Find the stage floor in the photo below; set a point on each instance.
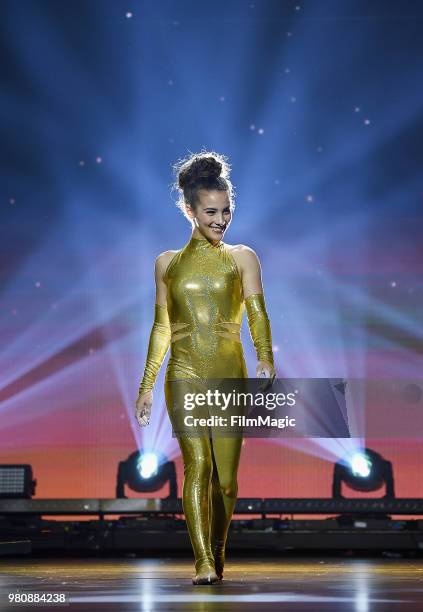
(317, 584)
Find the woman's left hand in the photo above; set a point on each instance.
(266, 370)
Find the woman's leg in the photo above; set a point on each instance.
(225, 454)
(198, 466)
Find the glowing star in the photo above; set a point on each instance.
(129, 15)
(319, 149)
(252, 127)
(367, 122)
(289, 34)
(170, 82)
(260, 131)
(222, 98)
(287, 70)
(275, 348)
(38, 284)
(393, 284)
(98, 160)
(310, 198)
(82, 163)
(277, 181)
(357, 109)
(297, 8)
(12, 201)
(293, 99)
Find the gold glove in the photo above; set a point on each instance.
(157, 347)
(259, 325)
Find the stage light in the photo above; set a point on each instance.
(146, 471)
(363, 471)
(361, 465)
(148, 464)
(16, 481)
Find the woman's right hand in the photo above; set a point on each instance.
(143, 408)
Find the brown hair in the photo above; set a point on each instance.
(205, 170)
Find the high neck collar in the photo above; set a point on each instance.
(204, 242)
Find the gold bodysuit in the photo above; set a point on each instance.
(202, 323)
(205, 305)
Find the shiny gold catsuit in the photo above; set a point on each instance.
(201, 323)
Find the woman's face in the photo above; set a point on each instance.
(212, 214)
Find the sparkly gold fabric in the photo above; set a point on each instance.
(205, 305)
(259, 325)
(157, 347)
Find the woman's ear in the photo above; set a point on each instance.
(189, 211)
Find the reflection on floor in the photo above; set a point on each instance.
(359, 585)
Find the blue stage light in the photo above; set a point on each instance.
(145, 471)
(361, 465)
(148, 464)
(363, 471)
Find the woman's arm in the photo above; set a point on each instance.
(258, 321)
(158, 344)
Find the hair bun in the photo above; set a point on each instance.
(201, 169)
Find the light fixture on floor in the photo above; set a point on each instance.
(146, 471)
(16, 481)
(365, 471)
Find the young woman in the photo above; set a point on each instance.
(202, 291)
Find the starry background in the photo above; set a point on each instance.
(318, 106)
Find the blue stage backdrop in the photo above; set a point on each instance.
(318, 106)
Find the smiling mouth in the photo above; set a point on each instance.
(217, 229)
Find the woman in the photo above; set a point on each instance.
(202, 291)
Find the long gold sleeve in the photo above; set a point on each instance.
(157, 347)
(259, 325)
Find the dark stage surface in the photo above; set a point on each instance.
(359, 585)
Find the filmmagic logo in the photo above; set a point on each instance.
(222, 400)
(240, 421)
